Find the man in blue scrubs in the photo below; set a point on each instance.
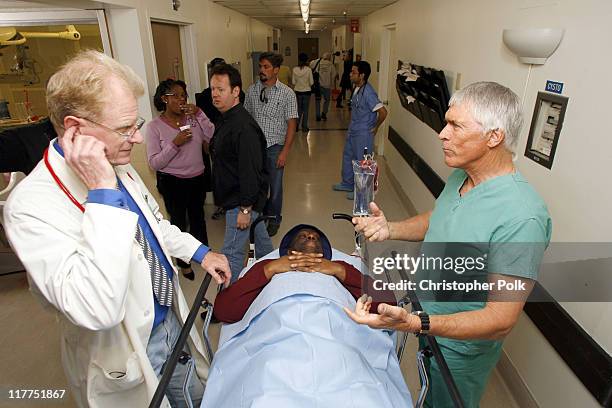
(486, 201)
(368, 113)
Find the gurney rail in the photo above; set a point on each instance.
(434, 348)
(160, 392)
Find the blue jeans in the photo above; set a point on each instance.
(326, 94)
(303, 102)
(161, 343)
(235, 241)
(274, 205)
(353, 150)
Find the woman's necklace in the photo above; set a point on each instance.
(172, 122)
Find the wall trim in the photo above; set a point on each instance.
(428, 176)
(582, 354)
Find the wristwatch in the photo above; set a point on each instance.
(424, 331)
(245, 211)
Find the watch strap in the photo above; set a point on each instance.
(425, 322)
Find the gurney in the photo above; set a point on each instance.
(296, 347)
(393, 381)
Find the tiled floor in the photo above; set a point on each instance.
(30, 339)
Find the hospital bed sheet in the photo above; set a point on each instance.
(296, 347)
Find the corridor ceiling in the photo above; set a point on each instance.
(324, 14)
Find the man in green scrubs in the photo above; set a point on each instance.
(485, 201)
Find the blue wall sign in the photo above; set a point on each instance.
(555, 87)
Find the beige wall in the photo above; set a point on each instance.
(466, 37)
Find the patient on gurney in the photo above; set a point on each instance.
(306, 249)
(292, 345)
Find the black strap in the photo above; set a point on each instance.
(317, 64)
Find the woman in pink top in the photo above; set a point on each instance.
(175, 141)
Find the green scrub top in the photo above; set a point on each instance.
(504, 209)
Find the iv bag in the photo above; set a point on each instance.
(366, 184)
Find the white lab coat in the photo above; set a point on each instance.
(91, 270)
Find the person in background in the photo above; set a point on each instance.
(22, 147)
(368, 114)
(302, 84)
(241, 178)
(284, 75)
(327, 73)
(204, 102)
(175, 142)
(345, 80)
(274, 107)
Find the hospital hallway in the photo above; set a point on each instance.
(31, 349)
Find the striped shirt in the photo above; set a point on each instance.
(272, 108)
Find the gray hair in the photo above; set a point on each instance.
(494, 107)
(78, 88)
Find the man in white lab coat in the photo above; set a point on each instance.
(97, 249)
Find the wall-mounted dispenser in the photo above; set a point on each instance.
(533, 45)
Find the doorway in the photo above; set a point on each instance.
(309, 46)
(386, 83)
(168, 56)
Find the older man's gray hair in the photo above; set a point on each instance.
(494, 107)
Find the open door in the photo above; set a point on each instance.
(386, 83)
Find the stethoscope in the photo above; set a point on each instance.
(59, 183)
(65, 190)
(357, 103)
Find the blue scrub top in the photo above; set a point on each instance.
(363, 119)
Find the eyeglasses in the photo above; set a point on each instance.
(125, 135)
(183, 96)
(262, 95)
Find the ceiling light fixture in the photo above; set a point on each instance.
(305, 9)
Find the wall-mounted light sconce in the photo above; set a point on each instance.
(533, 45)
(176, 4)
